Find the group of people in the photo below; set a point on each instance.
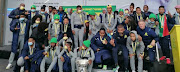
(55, 40)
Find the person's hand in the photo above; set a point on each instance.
(26, 13)
(111, 31)
(153, 42)
(26, 71)
(73, 32)
(140, 55)
(130, 55)
(44, 53)
(43, 46)
(50, 19)
(90, 62)
(157, 23)
(170, 14)
(90, 32)
(57, 44)
(139, 38)
(112, 42)
(80, 48)
(26, 58)
(16, 28)
(17, 16)
(98, 50)
(62, 59)
(49, 37)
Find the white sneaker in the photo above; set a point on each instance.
(22, 69)
(9, 66)
(145, 71)
(133, 71)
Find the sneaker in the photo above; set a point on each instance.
(126, 70)
(145, 71)
(9, 66)
(168, 61)
(133, 71)
(22, 69)
(104, 67)
(162, 58)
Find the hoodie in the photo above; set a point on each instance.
(139, 44)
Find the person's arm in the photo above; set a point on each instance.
(61, 53)
(13, 26)
(93, 45)
(92, 57)
(115, 22)
(72, 21)
(12, 14)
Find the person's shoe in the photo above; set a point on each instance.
(168, 61)
(22, 69)
(133, 71)
(162, 58)
(104, 67)
(9, 66)
(126, 70)
(145, 71)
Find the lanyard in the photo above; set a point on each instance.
(121, 18)
(22, 27)
(31, 51)
(134, 47)
(138, 17)
(162, 20)
(32, 14)
(93, 22)
(109, 18)
(84, 53)
(53, 53)
(101, 38)
(56, 27)
(178, 19)
(65, 27)
(81, 18)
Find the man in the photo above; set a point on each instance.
(94, 23)
(165, 25)
(86, 52)
(138, 15)
(102, 14)
(177, 15)
(20, 29)
(69, 13)
(15, 14)
(149, 38)
(110, 20)
(146, 12)
(29, 56)
(119, 39)
(77, 25)
(62, 14)
(120, 16)
(32, 12)
(54, 28)
(44, 14)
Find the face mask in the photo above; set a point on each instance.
(30, 43)
(42, 12)
(152, 22)
(37, 22)
(33, 10)
(79, 11)
(21, 19)
(21, 8)
(56, 21)
(83, 47)
(65, 38)
(65, 47)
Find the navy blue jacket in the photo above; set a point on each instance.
(121, 39)
(147, 35)
(15, 24)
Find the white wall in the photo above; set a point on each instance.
(119, 4)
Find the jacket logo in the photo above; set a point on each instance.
(125, 36)
(146, 34)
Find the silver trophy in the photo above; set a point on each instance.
(82, 65)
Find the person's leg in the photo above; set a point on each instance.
(42, 66)
(90, 67)
(166, 48)
(73, 62)
(76, 37)
(81, 34)
(125, 56)
(161, 42)
(53, 63)
(11, 58)
(60, 64)
(21, 44)
(132, 63)
(115, 54)
(140, 61)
